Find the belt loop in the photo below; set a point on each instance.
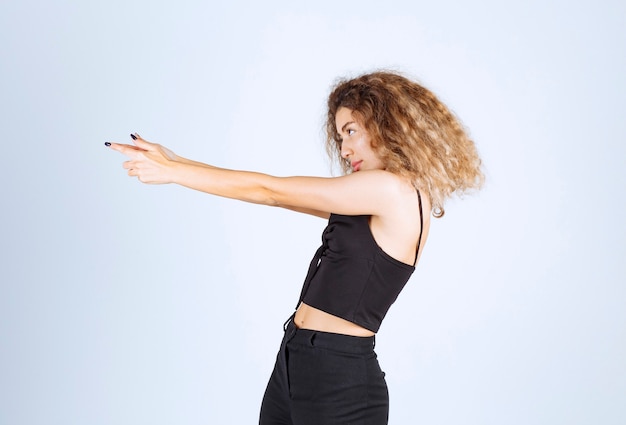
(312, 339)
(287, 321)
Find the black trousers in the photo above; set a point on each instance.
(323, 378)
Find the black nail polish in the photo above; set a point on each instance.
(107, 143)
(133, 136)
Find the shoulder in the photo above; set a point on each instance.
(405, 205)
(382, 181)
(388, 187)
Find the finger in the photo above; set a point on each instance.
(128, 165)
(135, 172)
(128, 150)
(143, 144)
(137, 148)
(140, 176)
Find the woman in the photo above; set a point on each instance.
(403, 153)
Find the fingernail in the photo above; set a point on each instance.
(133, 136)
(107, 143)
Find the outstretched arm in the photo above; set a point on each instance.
(359, 193)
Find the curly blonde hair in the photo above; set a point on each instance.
(415, 134)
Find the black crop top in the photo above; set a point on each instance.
(351, 277)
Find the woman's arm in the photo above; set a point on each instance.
(322, 214)
(365, 192)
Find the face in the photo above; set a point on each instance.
(356, 146)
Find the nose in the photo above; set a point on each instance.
(345, 150)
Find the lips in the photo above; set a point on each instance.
(356, 165)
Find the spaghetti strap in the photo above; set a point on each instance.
(419, 241)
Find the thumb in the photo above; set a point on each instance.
(140, 142)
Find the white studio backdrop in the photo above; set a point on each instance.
(122, 303)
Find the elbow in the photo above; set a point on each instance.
(271, 199)
(261, 195)
(270, 194)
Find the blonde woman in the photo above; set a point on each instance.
(403, 153)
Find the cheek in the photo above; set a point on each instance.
(364, 143)
(376, 153)
(369, 147)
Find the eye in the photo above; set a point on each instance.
(350, 131)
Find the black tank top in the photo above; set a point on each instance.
(351, 277)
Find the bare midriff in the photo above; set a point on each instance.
(308, 317)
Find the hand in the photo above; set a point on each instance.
(149, 162)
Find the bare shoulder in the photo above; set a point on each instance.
(400, 193)
(398, 229)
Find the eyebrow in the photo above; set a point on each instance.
(345, 125)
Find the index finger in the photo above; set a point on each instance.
(128, 150)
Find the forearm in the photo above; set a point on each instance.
(254, 190)
(241, 185)
(192, 162)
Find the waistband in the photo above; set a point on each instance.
(329, 340)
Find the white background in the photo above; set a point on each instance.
(122, 303)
